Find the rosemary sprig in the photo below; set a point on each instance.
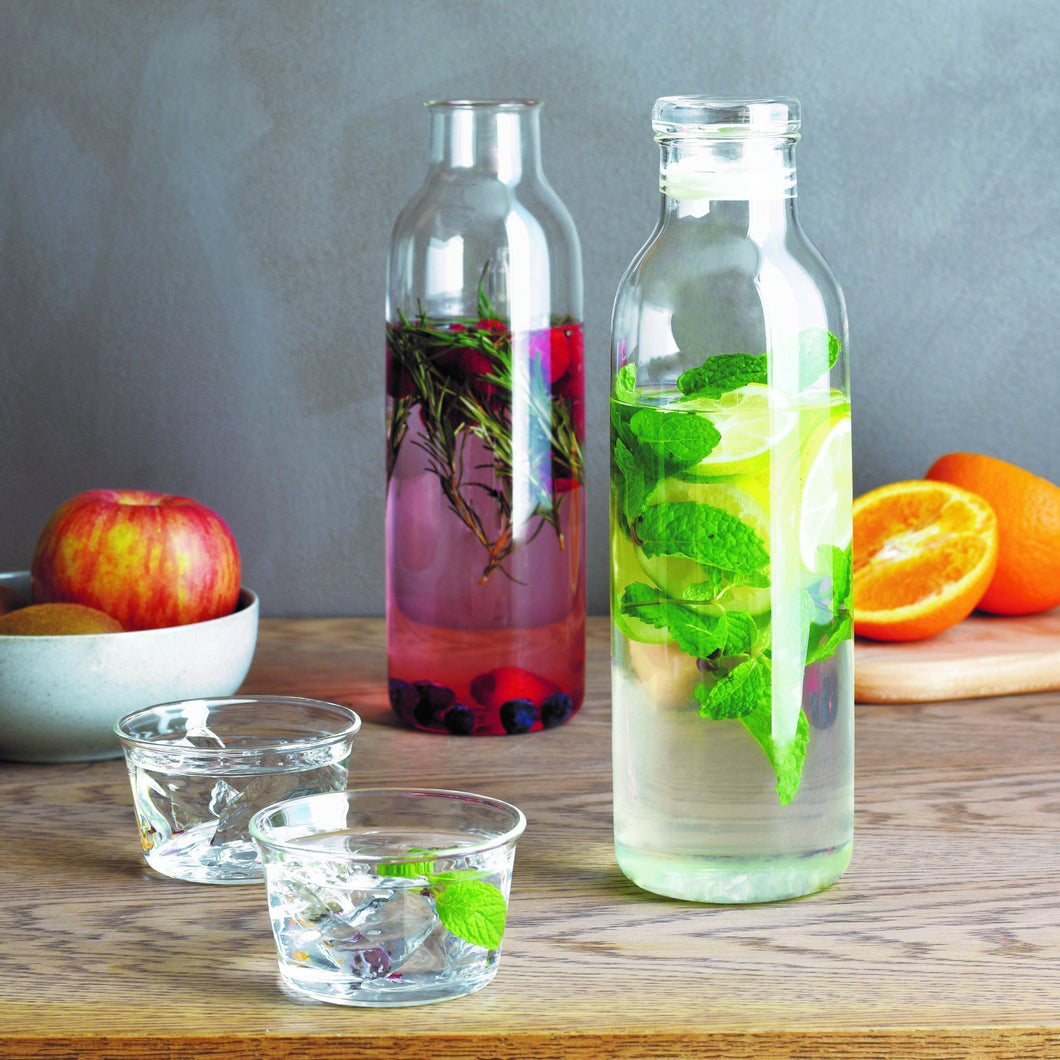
(461, 377)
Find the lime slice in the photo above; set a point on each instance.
(745, 498)
(751, 421)
(824, 509)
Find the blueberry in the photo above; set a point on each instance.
(403, 698)
(518, 715)
(433, 701)
(459, 720)
(556, 709)
(439, 696)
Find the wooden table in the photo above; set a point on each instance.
(942, 939)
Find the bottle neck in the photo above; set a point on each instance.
(495, 139)
(744, 183)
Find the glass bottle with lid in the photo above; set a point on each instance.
(485, 502)
(732, 650)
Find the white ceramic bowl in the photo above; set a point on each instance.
(60, 696)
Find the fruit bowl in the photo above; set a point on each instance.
(60, 696)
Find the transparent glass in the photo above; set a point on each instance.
(485, 502)
(385, 897)
(201, 768)
(732, 652)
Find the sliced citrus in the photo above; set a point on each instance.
(744, 498)
(924, 553)
(751, 420)
(826, 489)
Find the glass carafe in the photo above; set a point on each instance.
(732, 650)
(485, 502)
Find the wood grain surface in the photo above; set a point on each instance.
(985, 655)
(941, 940)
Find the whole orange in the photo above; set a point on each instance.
(1027, 578)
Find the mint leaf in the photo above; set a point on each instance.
(708, 589)
(843, 577)
(825, 637)
(472, 910)
(736, 695)
(678, 441)
(817, 350)
(745, 693)
(626, 383)
(699, 631)
(786, 759)
(705, 534)
(632, 487)
(701, 627)
(648, 444)
(741, 633)
(697, 634)
(647, 603)
(722, 373)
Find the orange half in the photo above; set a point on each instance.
(924, 554)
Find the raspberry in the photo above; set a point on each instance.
(510, 682)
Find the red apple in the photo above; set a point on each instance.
(147, 559)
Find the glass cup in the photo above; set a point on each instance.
(388, 897)
(201, 768)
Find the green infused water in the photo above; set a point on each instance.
(732, 674)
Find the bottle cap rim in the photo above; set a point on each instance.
(722, 119)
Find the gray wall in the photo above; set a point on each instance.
(196, 198)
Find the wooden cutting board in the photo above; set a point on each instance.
(984, 655)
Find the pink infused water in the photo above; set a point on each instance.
(485, 525)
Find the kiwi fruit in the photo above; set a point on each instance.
(52, 620)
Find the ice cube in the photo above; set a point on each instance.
(444, 954)
(315, 894)
(200, 736)
(222, 795)
(170, 803)
(260, 791)
(379, 936)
